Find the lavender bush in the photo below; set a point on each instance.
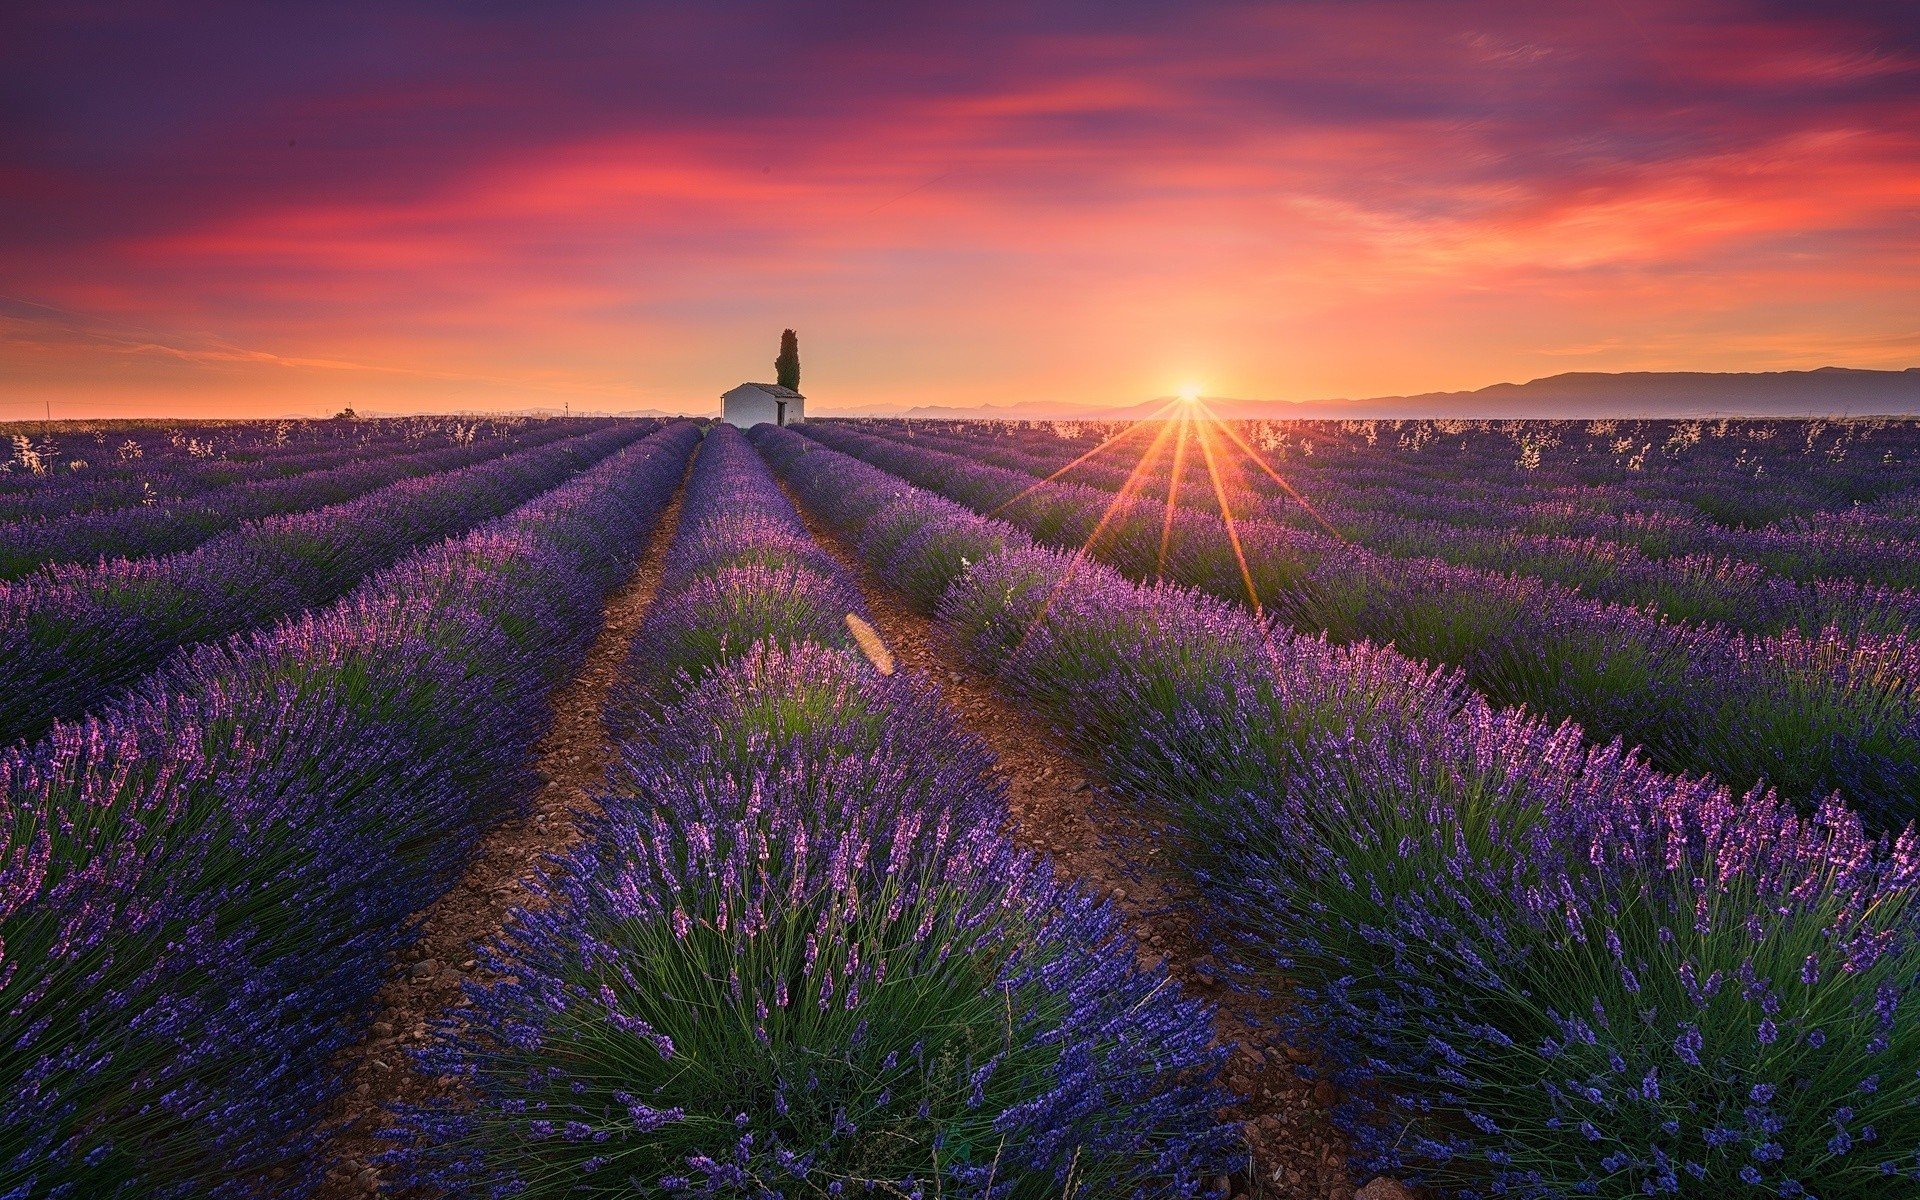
(1544, 971)
(742, 570)
(780, 1001)
(722, 613)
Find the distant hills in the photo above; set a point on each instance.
(1825, 391)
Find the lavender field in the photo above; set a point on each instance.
(1012, 810)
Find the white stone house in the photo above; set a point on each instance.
(753, 404)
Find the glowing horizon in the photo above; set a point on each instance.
(253, 211)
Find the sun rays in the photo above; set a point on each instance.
(1186, 423)
(1173, 493)
(1102, 448)
(1206, 425)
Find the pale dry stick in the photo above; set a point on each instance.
(871, 644)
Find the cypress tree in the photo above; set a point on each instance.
(787, 366)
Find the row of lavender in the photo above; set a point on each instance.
(143, 530)
(1675, 500)
(200, 888)
(1730, 473)
(1871, 498)
(1868, 540)
(796, 957)
(57, 474)
(1535, 968)
(1756, 580)
(68, 461)
(1808, 714)
(71, 635)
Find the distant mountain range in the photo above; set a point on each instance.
(1826, 391)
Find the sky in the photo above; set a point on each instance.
(212, 209)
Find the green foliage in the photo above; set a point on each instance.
(787, 366)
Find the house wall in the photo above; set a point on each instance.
(747, 407)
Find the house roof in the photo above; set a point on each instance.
(775, 390)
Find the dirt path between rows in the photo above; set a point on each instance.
(1059, 807)
(572, 758)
